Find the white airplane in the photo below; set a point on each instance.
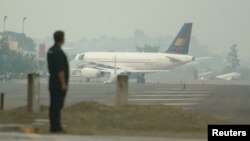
(134, 64)
(229, 76)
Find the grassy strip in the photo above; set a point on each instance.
(92, 118)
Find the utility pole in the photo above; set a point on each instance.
(115, 69)
(4, 21)
(24, 18)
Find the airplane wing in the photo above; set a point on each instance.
(225, 77)
(202, 58)
(229, 78)
(198, 60)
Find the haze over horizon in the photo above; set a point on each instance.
(217, 23)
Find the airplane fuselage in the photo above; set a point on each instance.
(138, 64)
(138, 61)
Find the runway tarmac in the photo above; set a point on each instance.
(226, 100)
(168, 94)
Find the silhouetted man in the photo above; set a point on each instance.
(58, 81)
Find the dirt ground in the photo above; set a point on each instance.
(229, 102)
(89, 118)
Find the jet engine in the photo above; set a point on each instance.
(91, 73)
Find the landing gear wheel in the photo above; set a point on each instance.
(87, 80)
(140, 79)
(143, 80)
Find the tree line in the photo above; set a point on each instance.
(12, 61)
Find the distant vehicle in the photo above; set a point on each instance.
(134, 64)
(229, 76)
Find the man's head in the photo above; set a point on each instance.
(59, 37)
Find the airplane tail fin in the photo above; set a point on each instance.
(180, 44)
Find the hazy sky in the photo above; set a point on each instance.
(217, 23)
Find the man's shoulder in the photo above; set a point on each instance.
(50, 50)
(54, 49)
